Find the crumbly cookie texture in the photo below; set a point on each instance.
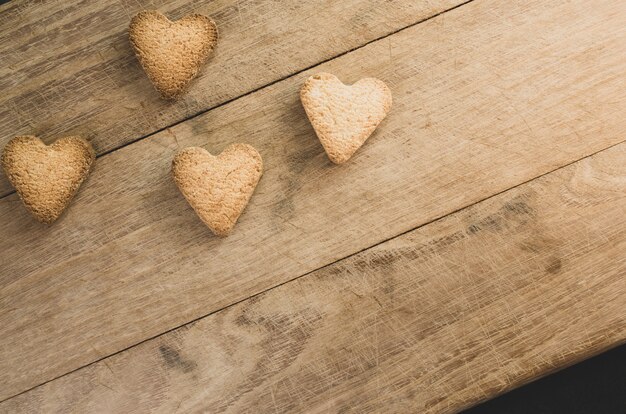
(172, 53)
(344, 116)
(46, 177)
(219, 187)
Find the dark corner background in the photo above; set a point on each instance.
(595, 386)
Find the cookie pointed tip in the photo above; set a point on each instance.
(339, 159)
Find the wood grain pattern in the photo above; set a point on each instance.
(432, 321)
(495, 95)
(67, 67)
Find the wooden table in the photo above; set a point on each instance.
(476, 242)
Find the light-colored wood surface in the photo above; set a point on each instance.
(430, 322)
(495, 95)
(67, 67)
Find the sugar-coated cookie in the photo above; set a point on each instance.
(172, 53)
(46, 177)
(344, 116)
(219, 187)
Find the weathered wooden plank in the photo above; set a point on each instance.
(432, 321)
(494, 95)
(67, 68)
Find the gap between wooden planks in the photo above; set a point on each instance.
(494, 96)
(67, 67)
(433, 321)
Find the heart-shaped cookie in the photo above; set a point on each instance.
(46, 177)
(218, 188)
(172, 53)
(344, 116)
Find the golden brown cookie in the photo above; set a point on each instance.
(46, 177)
(344, 116)
(172, 53)
(218, 187)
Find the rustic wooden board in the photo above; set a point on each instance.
(67, 67)
(432, 321)
(494, 95)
